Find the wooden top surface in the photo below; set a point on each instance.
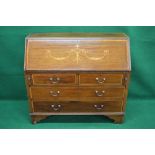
(77, 52)
(77, 35)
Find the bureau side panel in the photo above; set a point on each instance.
(126, 84)
(28, 82)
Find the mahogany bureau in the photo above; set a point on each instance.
(77, 74)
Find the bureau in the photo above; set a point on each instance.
(77, 74)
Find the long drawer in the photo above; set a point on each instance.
(106, 106)
(75, 93)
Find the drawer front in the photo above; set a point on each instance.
(54, 79)
(75, 93)
(107, 106)
(101, 92)
(100, 79)
(53, 93)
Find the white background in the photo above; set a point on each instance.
(76, 142)
(77, 13)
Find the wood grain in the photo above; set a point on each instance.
(75, 93)
(83, 53)
(77, 73)
(45, 79)
(108, 106)
(103, 79)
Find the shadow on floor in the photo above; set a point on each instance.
(76, 119)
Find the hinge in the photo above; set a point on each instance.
(125, 80)
(29, 80)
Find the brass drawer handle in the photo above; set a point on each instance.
(54, 80)
(56, 107)
(98, 107)
(99, 93)
(100, 80)
(55, 93)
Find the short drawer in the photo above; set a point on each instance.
(54, 79)
(75, 93)
(100, 79)
(106, 106)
